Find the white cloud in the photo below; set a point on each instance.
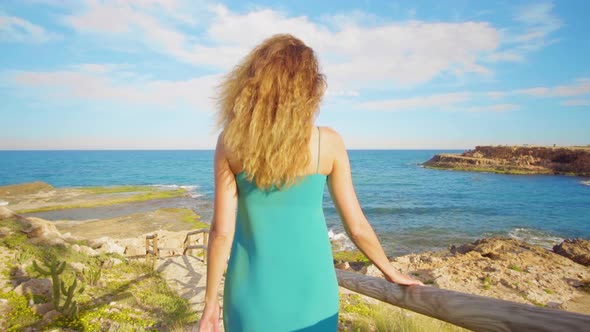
(576, 102)
(436, 101)
(493, 108)
(536, 23)
(341, 93)
(410, 52)
(510, 56)
(539, 19)
(16, 29)
(357, 52)
(536, 92)
(100, 86)
(579, 88)
(353, 54)
(496, 94)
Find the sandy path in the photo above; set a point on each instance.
(187, 276)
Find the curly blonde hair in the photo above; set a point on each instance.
(267, 105)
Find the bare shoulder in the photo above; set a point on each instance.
(219, 146)
(333, 149)
(227, 154)
(220, 139)
(331, 139)
(330, 136)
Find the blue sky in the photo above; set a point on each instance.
(141, 74)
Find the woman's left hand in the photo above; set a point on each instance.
(210, 319)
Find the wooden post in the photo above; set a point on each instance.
(147, 248)
(474, 312)
(156, 252)
(187, 242)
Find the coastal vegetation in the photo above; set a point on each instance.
(351, 256)
(66, 291)
(517, 160)
(145, 195)
(40, 197)
(359, 313)
(187, 216)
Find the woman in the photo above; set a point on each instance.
(271, 165)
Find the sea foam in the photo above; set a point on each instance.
(342, 239)
(191, 189)
(535, 237)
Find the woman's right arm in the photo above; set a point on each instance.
(355, 223)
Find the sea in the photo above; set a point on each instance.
(411, 208)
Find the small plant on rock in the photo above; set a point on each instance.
(23, 256)
(91, 276)
(54, 269)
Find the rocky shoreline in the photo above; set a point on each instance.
(517, 160)
(501, 268)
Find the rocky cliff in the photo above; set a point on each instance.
(518, 160)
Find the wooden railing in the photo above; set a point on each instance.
(188, 246)
(154, 252)
(474, 312)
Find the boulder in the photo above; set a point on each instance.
(110, 247)
(78, 267)
(41, 287)
(342, 266)
(85, 250)
(133, 246)
(6, 213)
(577, 250)
(99, 242)
(42, 231)
(5, 231)
(42, 308)
(106, 245)
(132, 251)
(68, 237)
(17, 272)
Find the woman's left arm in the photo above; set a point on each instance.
(222, 228)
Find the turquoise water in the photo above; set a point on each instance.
(411, 208)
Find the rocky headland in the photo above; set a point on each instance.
(517, 160)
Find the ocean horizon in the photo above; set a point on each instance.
(411, 208)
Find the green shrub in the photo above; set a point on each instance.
(20, 315)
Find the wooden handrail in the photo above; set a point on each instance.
(474, 312)
(154, 252)
(187, 240)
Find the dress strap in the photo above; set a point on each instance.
(318, 166)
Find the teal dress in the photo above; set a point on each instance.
(280, 275)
